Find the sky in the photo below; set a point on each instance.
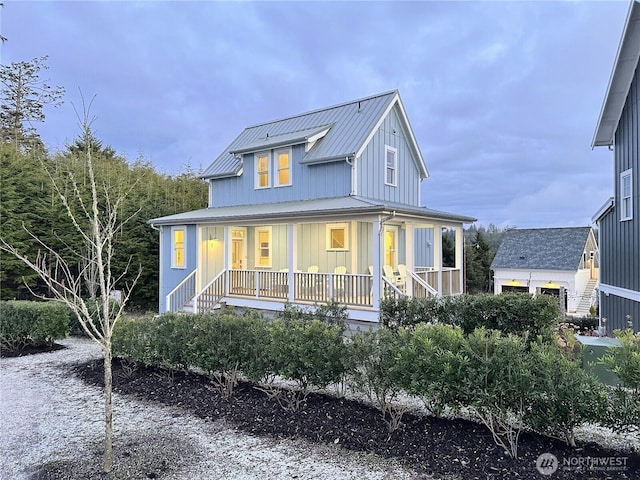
(503, 97)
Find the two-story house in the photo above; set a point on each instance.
(319, 206)
(619, 218)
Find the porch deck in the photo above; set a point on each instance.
(305, 288)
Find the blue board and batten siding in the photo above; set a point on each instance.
(170, 276)
(371, 166)
(620, 240)
(325, 180)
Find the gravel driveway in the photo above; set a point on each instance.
(51, 427)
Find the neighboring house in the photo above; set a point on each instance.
(544, 260)
(619, 218)
(318, 206)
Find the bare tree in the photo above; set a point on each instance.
(98, 222)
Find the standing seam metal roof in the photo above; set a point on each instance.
(351, 124)
(542, 249)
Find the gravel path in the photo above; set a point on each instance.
(51, 427)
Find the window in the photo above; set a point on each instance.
(178, 257)
(263, 247)
(283, 167)
(626, 195)
(390, 165)
(262, 170)
(337, 236)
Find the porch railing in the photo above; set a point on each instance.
(182, 294)
(210, 296)
(446, 281)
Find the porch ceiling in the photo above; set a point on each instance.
(309, 209)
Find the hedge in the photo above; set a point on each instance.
(27, 323)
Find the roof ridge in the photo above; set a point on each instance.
(344, 104)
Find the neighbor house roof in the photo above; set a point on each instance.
(620, 80)
(305, 209)
(334, 133)
(542, 249)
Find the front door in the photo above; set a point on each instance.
(238, 248)
(391, 246)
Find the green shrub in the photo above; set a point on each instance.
(331, 313)
(27, 323)
(134, 339)
(508, 313)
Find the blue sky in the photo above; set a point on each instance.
(503, 97)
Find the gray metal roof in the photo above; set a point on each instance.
(542, 249)
(305, 209)
(275, 141)
(620, 80)
(352, 125)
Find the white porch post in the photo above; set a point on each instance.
(437, 255)
(377, 262)
(292, 240)
(460, 256)
(226, 240)
(409, 255)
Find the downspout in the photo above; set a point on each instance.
(351, 161)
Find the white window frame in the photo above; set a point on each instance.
(184, 247)
(626, 213)
(257, 157)
(337, 226)
(276, 168)
(258, 254)
(394, 168)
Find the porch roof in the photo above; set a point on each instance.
(326, 207)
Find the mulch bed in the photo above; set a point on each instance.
(454, 449)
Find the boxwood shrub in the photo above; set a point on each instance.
(28, 323)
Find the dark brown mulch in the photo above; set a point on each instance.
(30, 350)
(431, 446)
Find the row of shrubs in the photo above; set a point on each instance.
(509, 382)
(26, 324)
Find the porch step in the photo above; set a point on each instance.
(585, 299)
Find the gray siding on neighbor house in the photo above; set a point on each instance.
(620, 240)
(615, 309)
(370, 166)
(307, 182)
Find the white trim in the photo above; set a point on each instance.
(337, 226)
(276, 167)
(396, 234)
(626, 215)
(620, 292)
(174, 229)
(256, 260)
(602, 210)
(394, 182)
(256, 157)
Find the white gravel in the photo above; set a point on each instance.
(51, 426)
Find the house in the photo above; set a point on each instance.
(551, 261)
(321, 206)
(619, 218)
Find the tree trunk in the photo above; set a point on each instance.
(108, 413)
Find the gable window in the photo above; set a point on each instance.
(337, 236)
(263, 170)
(626, 195)
(283, 168)
(390, 165)
(178, 247)
(263, 247)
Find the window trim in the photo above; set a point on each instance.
(258, 255)
(276, 167)
(337, 226)
(257, 156)
(174, 264)
(624, 213)
(394, 168)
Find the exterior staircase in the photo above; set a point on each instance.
(585, 300)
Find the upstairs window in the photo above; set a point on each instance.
(626, 195)
(390, 165)
(178, 251)
(283, 167)
(263, 170)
